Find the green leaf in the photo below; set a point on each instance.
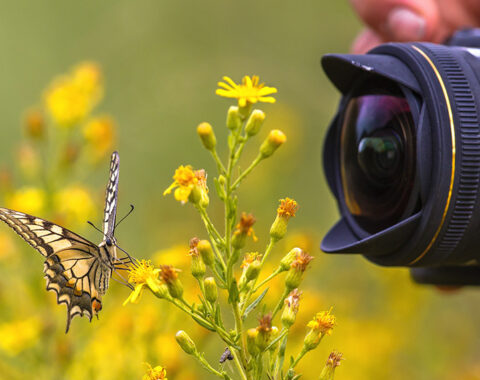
(233, 295)
(254, 304)
(219, 268)
(202, 323)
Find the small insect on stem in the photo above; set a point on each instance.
(227, 355)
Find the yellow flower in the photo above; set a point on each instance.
(141, 276)
(250, 91)
(70, 98)
(157, 373)
(288, 207)
(88, 77)
(250, 258)
(186, 180)
(323, 323)
(19, 335)
(30, 200)
(302, 259)
(99, 134)
(333, 362)
(74, 205)
(243, 229)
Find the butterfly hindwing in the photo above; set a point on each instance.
(72, 268)
(111, 196)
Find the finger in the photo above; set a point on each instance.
(400, 20)
(365, 41)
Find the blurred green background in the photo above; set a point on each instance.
(161, 61)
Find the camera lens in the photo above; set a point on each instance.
(378, 158)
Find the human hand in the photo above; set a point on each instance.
(412, 20)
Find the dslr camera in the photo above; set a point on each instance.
(402, 157)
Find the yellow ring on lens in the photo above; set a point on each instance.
(452, 175)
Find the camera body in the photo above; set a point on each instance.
(402, 157)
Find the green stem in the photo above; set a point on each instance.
(273, 275)
(247, 171)
(241, 370)
(220, 166)
(253, 288)
(280, 302)
(209, 225)
(185, 307)
(207, 365)
(280, 357)
(299, 357)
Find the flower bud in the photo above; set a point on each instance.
(170, 277)
(255, 122)
(185, 342)
(195, 195)
(272, 142)
(253, 270)
(288, 259)
(205, 249)
(243, 229)
(160, 290)
(251, 345)
(197, 267)
(278, 229)
(211, 292)
(205, 131)
(333, 362)
(234, 122)
(264, 330)
(295, 273)
(239, 240)
(312, 340)
(291, 308)
(274, 335)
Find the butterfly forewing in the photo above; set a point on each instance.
(111, 196)
(73, 266)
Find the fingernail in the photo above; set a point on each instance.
(406, 25)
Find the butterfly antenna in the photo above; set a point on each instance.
(93, 225)
(132, 207)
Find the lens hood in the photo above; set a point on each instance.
(440, 225)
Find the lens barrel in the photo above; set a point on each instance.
(402, 155)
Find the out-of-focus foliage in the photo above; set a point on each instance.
(159, 61)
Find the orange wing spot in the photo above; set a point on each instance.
(70, 283)
(78, 290)
(96, 305)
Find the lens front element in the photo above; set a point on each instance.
(378, 159)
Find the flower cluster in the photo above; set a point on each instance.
(257, 352)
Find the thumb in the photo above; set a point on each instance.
(402, 20)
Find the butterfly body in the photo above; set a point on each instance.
(77, 270)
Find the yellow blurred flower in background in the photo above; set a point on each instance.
(28, 160)
(19, 335)
(99, 134)
(75, 205)
(71, 97)
(28, 199)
